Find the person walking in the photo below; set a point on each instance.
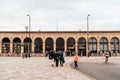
(51, 57)
(106, 56)
(89, 53)
(61, 58)
(50, 54)
(76, 60)
(57, 57)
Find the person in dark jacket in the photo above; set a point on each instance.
(51, 57)
(61, 58)
(57, 57)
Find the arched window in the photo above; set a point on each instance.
(60, 44)
(38, 45)
(17, 45)
(5, 45)
(115, 45)
(103, 44)
(92, 45)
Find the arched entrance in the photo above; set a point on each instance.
(27, 45)
(17, 46)
(92, 45)
(81, 47)
(103, 44)
(38, 45)
(49, 44)
(60, 44)
(5, 45)
(70, 46)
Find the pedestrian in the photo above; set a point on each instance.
(22, 53)
(26, 55)
(89, 53)
(52, 58)
(110, 53)
(50, 54)
(76, 60)
(46, 53)
(57, 57)
(61, 58)
(106, 57)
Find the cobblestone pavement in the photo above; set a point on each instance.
(36, 68)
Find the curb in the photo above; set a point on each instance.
(87, 76)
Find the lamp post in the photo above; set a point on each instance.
(29, 25)
(88, 33)
(26, 27)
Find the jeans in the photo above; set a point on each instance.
(76, 65)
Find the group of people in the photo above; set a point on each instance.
(26, 55)
(56, 58)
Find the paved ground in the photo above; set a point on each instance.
(36, 68)
(96, 68)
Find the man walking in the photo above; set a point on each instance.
(61, 58)
(57, 57)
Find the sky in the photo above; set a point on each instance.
(60, 15)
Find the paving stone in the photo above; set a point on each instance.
(36, 68)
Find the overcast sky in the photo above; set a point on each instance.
(71, 15)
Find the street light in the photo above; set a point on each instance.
(29, 32)
(29, 23)
(88, 33)
(26, 27)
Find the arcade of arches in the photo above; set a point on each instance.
(15, 43)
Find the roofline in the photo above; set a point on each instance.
(60, 31)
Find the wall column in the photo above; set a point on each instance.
(65, 47)
(11, 48)
(98, 47)
(33, 47)
(22, 47)
(109, 45)
(54, 46)
(44, 48)
(76, 47)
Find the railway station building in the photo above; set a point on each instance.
(39, 42)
